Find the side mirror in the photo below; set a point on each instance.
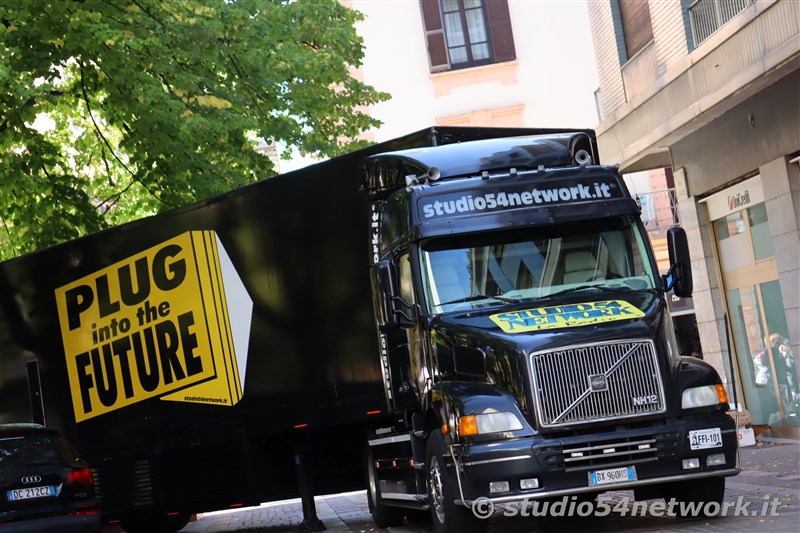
(383, 296)
(679, 276)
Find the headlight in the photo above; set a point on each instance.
(703, 396)
(488, 423)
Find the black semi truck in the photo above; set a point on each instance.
(470, 313)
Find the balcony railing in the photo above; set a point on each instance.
(707, 16)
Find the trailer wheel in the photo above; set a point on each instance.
(383, 515)
(698, 497)
(442, 491)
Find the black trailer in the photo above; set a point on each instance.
(195, 357)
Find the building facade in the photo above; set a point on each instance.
(477, 63)
(710, 91)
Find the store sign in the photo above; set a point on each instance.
(733, 199)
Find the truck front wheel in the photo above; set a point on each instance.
(448, 517)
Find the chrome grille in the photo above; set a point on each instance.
(607, 454)
(582, 384)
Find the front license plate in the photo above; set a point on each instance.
(705, 438)
(612, 475)
(30, 492)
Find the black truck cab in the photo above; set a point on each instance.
(526, 343)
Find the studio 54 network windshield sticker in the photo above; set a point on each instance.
(171, 322)
(565, 316)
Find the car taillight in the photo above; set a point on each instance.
(81, 476)
(84, 512)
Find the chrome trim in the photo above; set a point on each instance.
(458, 468)
(404, 497)
(613, 486)
(596, 359)
(617, 449)
(390, 440)
(500, 460)
(614, 454)
(610, 444)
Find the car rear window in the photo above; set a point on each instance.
(31, 449)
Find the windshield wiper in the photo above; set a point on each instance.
(481, 297)
(584, 287)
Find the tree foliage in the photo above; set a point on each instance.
(115, 109)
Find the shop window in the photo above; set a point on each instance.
(759, 230)
(742, 231)
(732, 241)
(467, 33)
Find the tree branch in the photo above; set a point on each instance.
(4, 126)
(161, 22)
(105, 141)
(116, 196)
(10, 238)
(108, 167)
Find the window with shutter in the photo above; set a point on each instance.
(637, 28)
(467, 33)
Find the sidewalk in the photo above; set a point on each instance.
(771, 464)
(340, 513)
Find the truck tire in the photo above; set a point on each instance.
(384, 516)
(442, 493)
(696, 498)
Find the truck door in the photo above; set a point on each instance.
(403, 347)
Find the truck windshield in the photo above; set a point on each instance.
(495, 268)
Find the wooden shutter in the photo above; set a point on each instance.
(500, 30)
(636, 25)
(434, 34)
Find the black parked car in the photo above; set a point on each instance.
(44, 485)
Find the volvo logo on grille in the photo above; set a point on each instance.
(31, 479)
(598, 382)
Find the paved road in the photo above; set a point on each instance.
(770, 482)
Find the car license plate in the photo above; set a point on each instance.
(30, 492)
(612, 475)
(705, 438)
